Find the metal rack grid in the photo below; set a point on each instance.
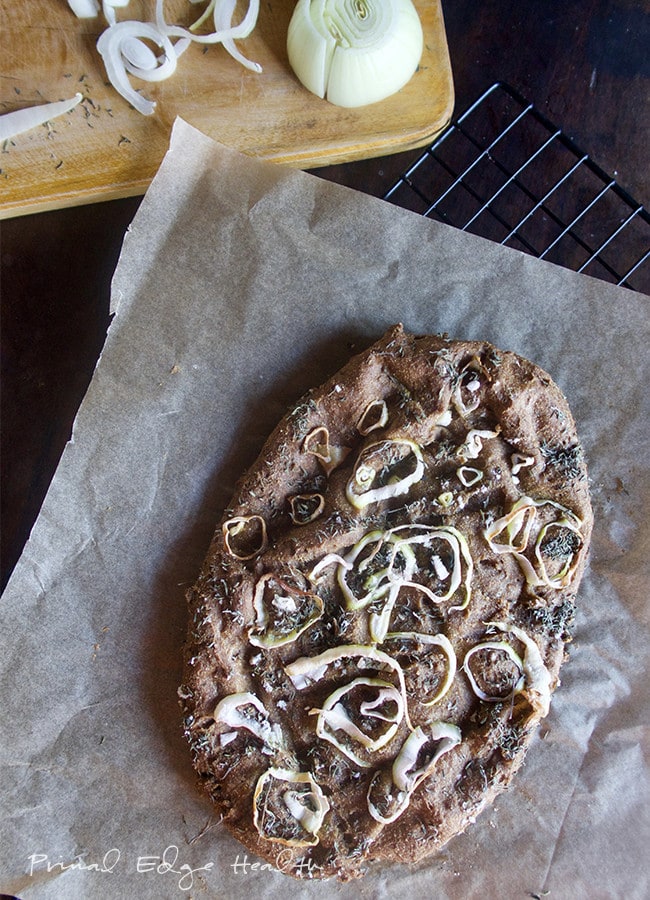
(505, 172)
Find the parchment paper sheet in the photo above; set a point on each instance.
(240, 285)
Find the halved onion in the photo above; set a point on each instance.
(354, 52)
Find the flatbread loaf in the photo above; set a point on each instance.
(381, 618)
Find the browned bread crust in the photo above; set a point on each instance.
(382, 615)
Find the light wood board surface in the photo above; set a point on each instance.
(104, 149)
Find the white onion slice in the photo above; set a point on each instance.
(139, 54)
(242, 30)
(84, 9)
(333, 717)
(359, 491)
(125, 52)
(14, 123)
(307, 670)
(228, 711)
(444, 644)
(223, 13)
(406, 774)
(109, 7)
(109, 46)
(307, 807)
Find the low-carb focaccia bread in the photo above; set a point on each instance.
(383, 611)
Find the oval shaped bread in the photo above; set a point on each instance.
(381, 618)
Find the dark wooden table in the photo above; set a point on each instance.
(583, 63)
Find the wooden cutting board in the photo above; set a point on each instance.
(104, 149)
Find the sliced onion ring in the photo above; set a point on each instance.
(109, 46)
(374, 416)
(359, 491)
(116, 45)
(405, 776)
(228, 712)
(437, 640)
(538, 677)
(238, 524)
(309, 815)
(333, 717)
(307, 670)
(503, 647)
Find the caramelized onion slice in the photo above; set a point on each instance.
(283, 612)
(245, 536)
(383, 470)
(246, 710)
(289, 807)
(497, 647)
(374, 416)
(304, 508)
(390, 792)
(337, 717)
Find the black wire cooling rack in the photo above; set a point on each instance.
(505, 172)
